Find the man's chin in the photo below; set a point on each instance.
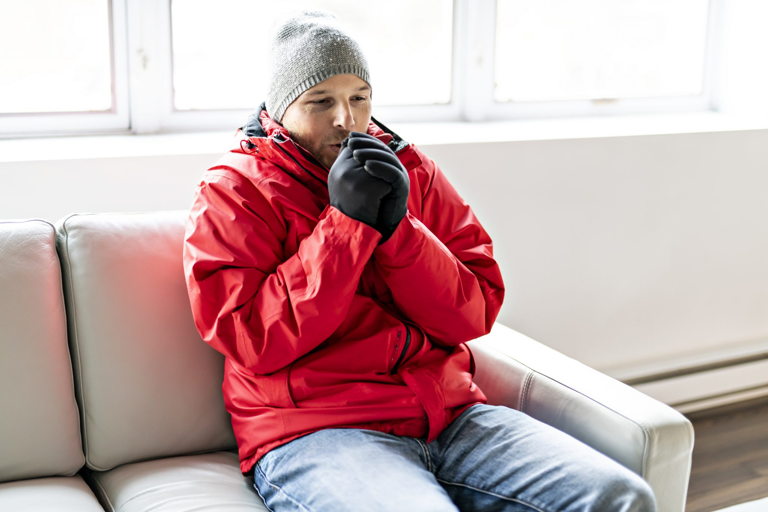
(328, 158)
(327, 161)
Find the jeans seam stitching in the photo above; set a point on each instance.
(427, 457)
(496, 495)
(280, 490)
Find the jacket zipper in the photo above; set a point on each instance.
(404, 351)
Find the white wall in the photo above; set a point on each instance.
(620, 251)
(626, 250)
(53, 189)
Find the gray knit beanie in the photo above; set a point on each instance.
(307, 50)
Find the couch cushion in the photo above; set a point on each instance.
(39, 429)
(63, 494)
(150, 387)
(210, 482)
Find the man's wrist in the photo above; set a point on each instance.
(349, 226)
(397, 237)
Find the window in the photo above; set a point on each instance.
(221, 49)
(168, 65)
(48, 65)
(57, 58)
(559, 50)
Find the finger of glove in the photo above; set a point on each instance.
(363, 140)
(344, 159)
(345, 152)
(395, 176)
(361, 183)
(363, 155)
(360, 140)
(367, 147)
(375, 188)
(348, 138)
(359, 195)
(352, 199)
(358, 134)
(361, 135)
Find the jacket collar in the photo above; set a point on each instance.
(265, 136)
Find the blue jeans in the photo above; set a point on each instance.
(489, 459)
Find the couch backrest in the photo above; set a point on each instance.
(39, 423)
(148, 386)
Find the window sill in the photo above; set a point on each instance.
(424, 134)
(575, 128)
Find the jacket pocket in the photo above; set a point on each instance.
(266, 390)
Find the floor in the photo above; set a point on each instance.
(730, 457)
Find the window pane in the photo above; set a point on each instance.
(221, 49)
(56, 56)
(599, 49)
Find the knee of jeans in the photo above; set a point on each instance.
(645, 501)
(630, 493)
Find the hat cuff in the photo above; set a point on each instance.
(319, 77)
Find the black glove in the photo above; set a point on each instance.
(354, 191)
(381, 162)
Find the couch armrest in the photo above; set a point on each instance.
(638, 431)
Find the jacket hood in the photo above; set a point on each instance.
(253, 127)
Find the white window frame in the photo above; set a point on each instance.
(142, 71)
(472, 94)
(114, 120)
(479, 104)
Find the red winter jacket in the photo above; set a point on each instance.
(322, 326)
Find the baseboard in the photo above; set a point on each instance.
(704, 380)
(696, 402)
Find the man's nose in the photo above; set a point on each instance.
(343, 117)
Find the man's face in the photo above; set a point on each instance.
(321, 118)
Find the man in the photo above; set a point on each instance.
(340, 274)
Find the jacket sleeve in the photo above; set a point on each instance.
(440, 267)
(251, 302)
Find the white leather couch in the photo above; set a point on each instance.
(109, 400)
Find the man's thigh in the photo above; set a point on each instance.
(496, 458)
(349, 470)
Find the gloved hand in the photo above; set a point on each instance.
(357, 193)
(380, 161)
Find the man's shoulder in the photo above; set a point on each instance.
(244, 168)
(413, 158)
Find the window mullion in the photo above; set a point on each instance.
(120, 101)
(149, 63)
(475, 50)
(713, 67)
